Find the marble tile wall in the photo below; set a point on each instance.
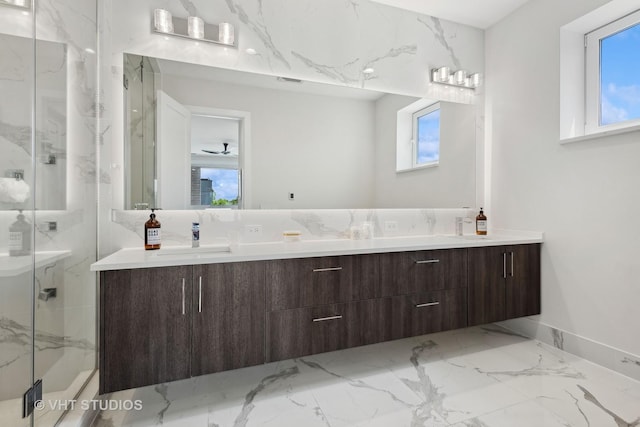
(218, 225)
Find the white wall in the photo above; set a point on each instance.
(318, 147)
(451, 184)
(584, 196)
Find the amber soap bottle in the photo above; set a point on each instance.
(481, 224)
(152, 232)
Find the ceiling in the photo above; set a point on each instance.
(476, 13)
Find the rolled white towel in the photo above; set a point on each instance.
(13, 190)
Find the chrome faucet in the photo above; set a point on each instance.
(195, 234)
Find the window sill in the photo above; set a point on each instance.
(600, 134)
(414, 168)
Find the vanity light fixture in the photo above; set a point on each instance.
(193, 28)
(459, 78)
(162, 21)
(225, 33)
(22, 4)
(251, 51)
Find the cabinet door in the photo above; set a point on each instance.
(228, 316)
(145, 323)
(288, 334)
(429, 312)
(368, 321)
(296, 283)
(423, 271)
(486, 291)
(523, 280)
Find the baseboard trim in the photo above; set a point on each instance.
(610, 357)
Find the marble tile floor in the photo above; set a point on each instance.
(475, 377)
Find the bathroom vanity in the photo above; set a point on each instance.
(169, 317)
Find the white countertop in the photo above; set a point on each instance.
(139, 258)
(11, 266)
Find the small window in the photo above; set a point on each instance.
(426, 136)
(613, 75)
(214, 187)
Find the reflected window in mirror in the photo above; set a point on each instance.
(214, 187)
(426, 136)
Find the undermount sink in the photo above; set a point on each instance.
(188, 250)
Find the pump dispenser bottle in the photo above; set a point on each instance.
(152, 232)
(20, 237)
(481, 224)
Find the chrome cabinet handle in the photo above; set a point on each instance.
(427, 304)
(318, 270)
(511, 264)
(428, 261)
(504, 265)
(183, 297)
(200, 294)
(324, 319)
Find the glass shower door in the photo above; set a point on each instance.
(47, 206)
(17, 66)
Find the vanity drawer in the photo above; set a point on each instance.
(429, 312)
(303, 331)
(305, 282)
(423, 271)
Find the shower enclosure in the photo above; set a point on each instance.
(48, 213)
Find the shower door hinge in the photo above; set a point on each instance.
(31, 396)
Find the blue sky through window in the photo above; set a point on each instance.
(620, 76)
(429, 138)
(225, 182)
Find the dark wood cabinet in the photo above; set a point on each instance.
(430, 312)
(170, 323)
(228, 316)
(523, 281)
(145, 327)
(305, 282)
(504, 283)
(406, 273)
(310, 330)
(372, 298)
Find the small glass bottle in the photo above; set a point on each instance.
(20, 237)
(152, 232)
(481, 224)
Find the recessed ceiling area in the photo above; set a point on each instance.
(476, 13)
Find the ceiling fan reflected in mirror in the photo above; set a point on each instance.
(225, 151)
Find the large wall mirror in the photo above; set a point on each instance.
(19, 95)
(203, 137)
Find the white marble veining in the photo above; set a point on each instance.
(11, 266)
(597, 352)
(475, 377)
(140, 258)
(127, 227)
